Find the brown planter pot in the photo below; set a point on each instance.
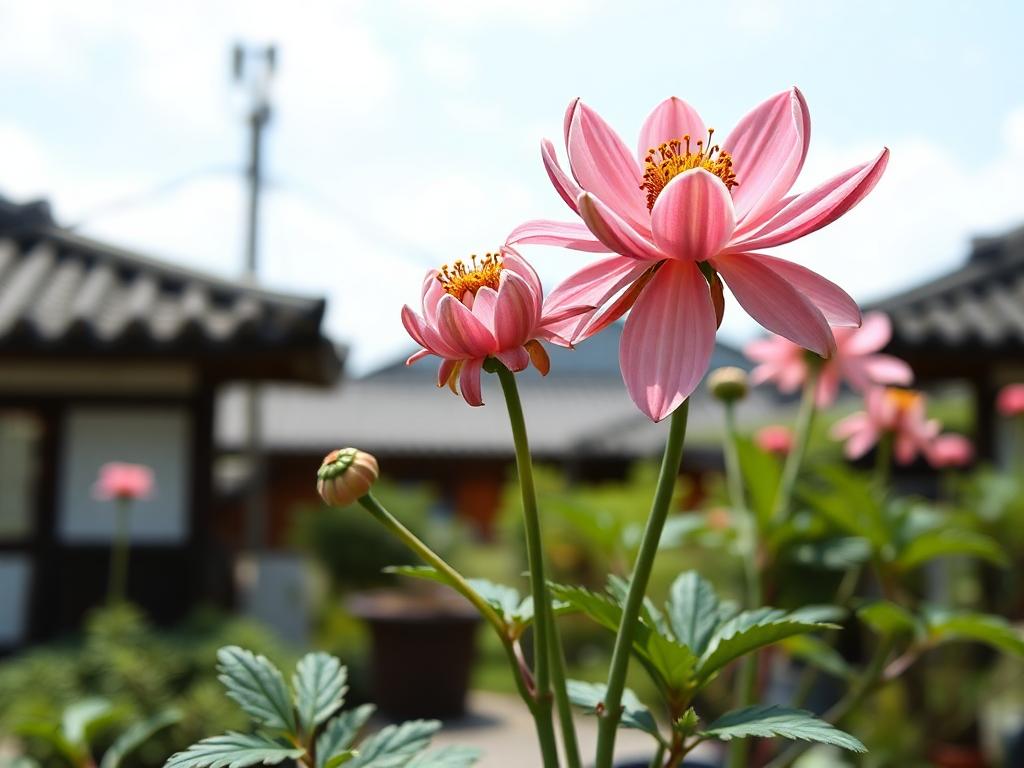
(423, 651)
(957, 756)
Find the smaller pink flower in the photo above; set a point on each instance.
(857, 361)
(890, 411)
(489, 308)
(951, 451)
(1010, 401)
(125, 482)
(775, 439)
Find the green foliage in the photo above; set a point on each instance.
(297, 724)
(590, 696)
(769, 721)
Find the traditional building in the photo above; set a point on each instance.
(968, 326)
(109, 355)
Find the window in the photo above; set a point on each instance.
(157, 437)
(21, 434)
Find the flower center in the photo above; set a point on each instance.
(674, 157)
(903, 399)
(461, 277)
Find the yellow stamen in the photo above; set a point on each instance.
(903, 399)
(460, 278)
(673, 157)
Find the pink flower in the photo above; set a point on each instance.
(856, 361)
(678, 213)
(491, 308)
(123, 481)
(948, 451)
(1010, 401)
(890, 411)
(775, 439)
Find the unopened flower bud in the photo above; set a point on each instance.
(775, 439)
(728, 384)
(346, 474)
(1011, 400)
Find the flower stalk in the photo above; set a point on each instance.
(802, 436)
(119, 553)
(611, 715)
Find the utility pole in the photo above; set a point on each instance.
(253, 68)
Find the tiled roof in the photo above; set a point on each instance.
(581, 409)
(64, 295)
(977, 309)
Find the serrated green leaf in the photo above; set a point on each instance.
(693, 611)
(81, 719)
(945, 626)
(590, 697)
(319, 684)
(886, 618)
(258, 687)
(234, 750)
(771, 721)
(748, 632)
(599, 608)
(395, 745)
(136, 735)
(340, 733)
(446, 757)
(838, 554)
(341, 758)
(819, 654)
(948, 543)
(618, 588)
(762, 474)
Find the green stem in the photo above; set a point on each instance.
(609, 720)
(119, 552)
(867, 681)
(570, 743)
(542, 624)
(659, 756)
(457, 581)
(883, 462)
(802, 436)
(746, 680)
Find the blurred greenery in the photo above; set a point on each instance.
(140, 670)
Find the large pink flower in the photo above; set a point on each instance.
(679, 213)
(855, 361)
(899, 413)
(126, 482)
(492, 308)
(1010, 401)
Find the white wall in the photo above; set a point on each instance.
(158, 437)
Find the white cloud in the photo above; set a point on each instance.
(532, 13)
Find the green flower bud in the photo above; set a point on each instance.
(728, 384)
(346, 475)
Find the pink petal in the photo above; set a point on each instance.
(860, 443)
(768, 147)
(564, 184)
(828, 387)
(874, 333)
(821, 206)
(469, 381)
(886, 369)
(568, 234)
(517, 312)
(515, 359)
(851, 425)
(693, 217)
(835, 304)
(672, 119)
(514, 262)
(591, 286)
(417, 356)
(604, 166)
(432, 293)
(614, 231)
(567, 119)
(668, 339)
(426, 336)
(771, 300)
(444, 371)
(483, 306)
(457, 326)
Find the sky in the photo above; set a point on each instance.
(406, 134)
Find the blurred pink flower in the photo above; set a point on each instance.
(889, 411)
(948, 451)
(122, 481)
(775, 439)
(856, 361)
(1010, 401)
(490, 308)
(681, 205)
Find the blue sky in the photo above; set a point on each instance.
(406, 133)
